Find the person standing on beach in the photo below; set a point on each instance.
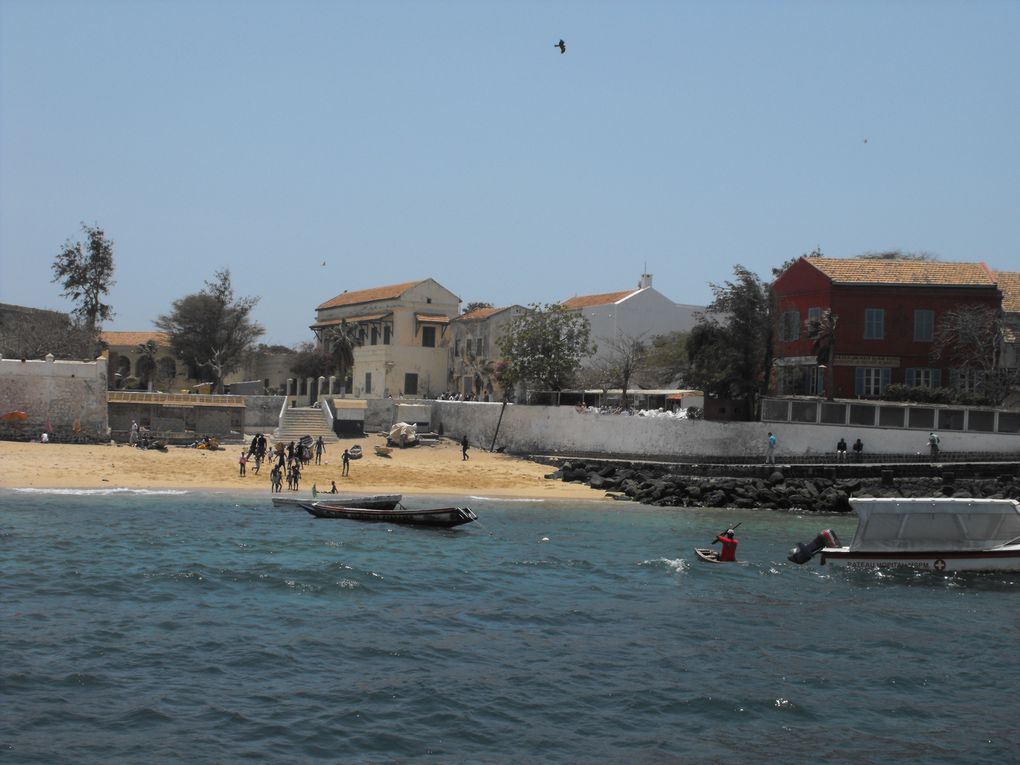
(243, 461)
(464, 448)
(133, 437)
(332, 487)
(320, 447)
(933, 444)
(346, 460)
(770, 452)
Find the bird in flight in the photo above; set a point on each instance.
(562, 46)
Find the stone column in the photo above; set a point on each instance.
(320, 391)
(332, 385)
(290, 386)
(308, 390)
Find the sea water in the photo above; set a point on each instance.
(150, 627)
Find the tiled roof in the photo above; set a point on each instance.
(427, 318)
(915, 272)
(479, 313)
(134, 338)
(390, 292)
(1009, 283)
(586, 301)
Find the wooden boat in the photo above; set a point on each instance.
(709, 555)
(374, 501)
(443, 517)
(939, 534)
(355, 452)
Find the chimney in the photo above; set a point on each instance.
(644, 281)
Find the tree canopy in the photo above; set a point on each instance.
(622, 360)
(730, 348)
(476, 305)
(86, 274)
(211, 330)
(544, 346)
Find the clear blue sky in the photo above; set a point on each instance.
(405, 140)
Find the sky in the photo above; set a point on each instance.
(314, 146)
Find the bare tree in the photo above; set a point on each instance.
(616, 366)
(971, 338)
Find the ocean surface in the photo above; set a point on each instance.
(141, 627)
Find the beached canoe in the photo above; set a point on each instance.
(440, 517)
(375, 501)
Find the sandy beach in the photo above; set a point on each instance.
(436, 469)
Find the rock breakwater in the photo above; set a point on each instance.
(663, 487)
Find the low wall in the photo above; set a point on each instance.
(67, 398)
(262, 413)
(563, 430)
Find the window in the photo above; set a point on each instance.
(411, 384)
(968, 380)
(428, 337)
(375, 336)
(924, 325)
(368, 382)
(874, 323)
(386, 334)
(790, 328)
(923, 377)
(478, 346)
(871, 381)
(456, 348)
(814, 314)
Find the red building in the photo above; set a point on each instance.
(887, 312)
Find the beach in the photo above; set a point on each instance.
(436, 469)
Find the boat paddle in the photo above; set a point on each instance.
(728, 528)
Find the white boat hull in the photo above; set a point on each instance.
(1001, 559)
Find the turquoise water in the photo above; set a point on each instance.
(212, 629)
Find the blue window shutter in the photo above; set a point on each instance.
(936, 378)
(886, 378)
(910, 376)
(859, 381)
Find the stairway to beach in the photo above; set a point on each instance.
(304, 421)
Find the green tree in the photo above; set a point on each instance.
(311, 360)
(665, 361)
(211, 330)
(476, 305)
(822, 332)
(544, 346)
(146, 367)
(341, 340)
(730, 348)
(86, 274)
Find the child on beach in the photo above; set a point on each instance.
(243, 461)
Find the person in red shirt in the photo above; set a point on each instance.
(729, 546)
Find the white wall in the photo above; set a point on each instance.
(58, 394)
(646, 314)
(551, 430)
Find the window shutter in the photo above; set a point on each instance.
(886, 378)
(936, 378)
(910, 376)
(859, 381)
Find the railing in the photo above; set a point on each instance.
(141, 397)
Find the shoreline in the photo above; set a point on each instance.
(420, 470)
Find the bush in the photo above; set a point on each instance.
(919, 395)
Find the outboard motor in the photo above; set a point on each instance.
(805, 551)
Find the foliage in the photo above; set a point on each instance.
(34, 335)
(921, 395)
(147, 362)
(211, 330)
(311, 360)
(730, 348)
(474, 306)
(971, 337)
(665, 360)
(86, 276)
(822, 332)
(615, 367)
(341, 340)
(898, 255)
(544, 346)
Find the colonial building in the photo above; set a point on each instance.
(887, 314)
(640, 313)
(402, 329)
(474, 352)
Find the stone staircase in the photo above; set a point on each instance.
(300, 421)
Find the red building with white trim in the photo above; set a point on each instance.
(887, 312)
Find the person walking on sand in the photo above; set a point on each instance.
(243, 461)
(464, 448)
(346, 460)
(320, 447)
(770, 451)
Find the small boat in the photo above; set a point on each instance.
(940, 534)
(374, 501)
(355, 452)
(444, 517)
(709, 555)
(383, 451)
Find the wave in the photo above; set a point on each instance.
(504, 499)
(102, 492)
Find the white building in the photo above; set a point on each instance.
(402, 328)
(640, 313)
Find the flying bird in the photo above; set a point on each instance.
(562, 46)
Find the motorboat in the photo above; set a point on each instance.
(376, 501)
(942, 534)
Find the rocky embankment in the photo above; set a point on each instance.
(653, 485)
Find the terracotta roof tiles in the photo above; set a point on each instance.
(1009, 283)
(134, 338)
(915, 272)
(390, 292)
(586, 301)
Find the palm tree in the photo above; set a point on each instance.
(146, 367)
(341, 340)
(823, 332)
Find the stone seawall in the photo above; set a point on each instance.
(819, 488)
(66, 399)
